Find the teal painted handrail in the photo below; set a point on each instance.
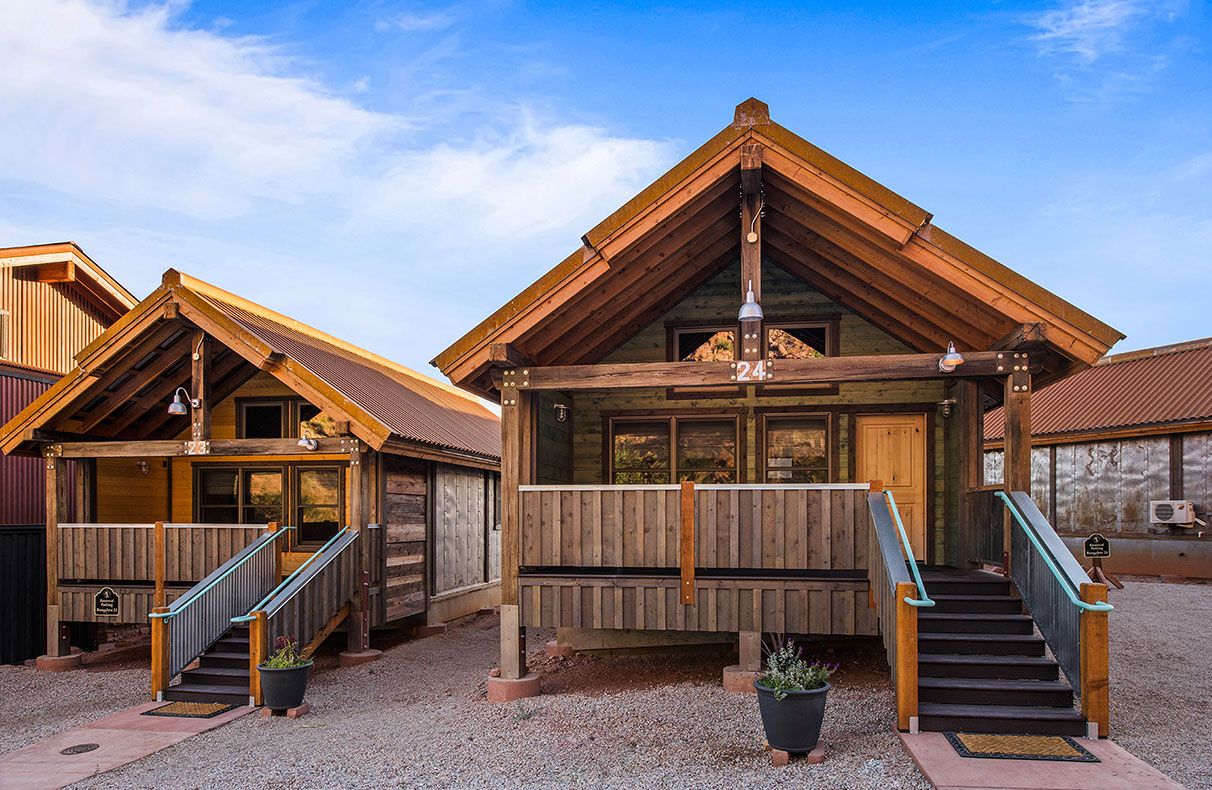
(1065, 583)
(189, 601)
(246, 618)
(924, 600)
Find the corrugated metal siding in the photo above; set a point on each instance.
(50, 322)
(22, 486)
(1197, 472)
(410, 407)
(23, 591)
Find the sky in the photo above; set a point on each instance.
(392, 173)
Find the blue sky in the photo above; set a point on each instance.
(374, 167)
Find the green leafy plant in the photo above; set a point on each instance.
(286, 655)
(787, 670)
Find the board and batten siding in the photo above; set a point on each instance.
(404, 525)
(48, 322)
(464, 528)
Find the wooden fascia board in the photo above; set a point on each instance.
(85, 272)
(1107, 434)
(168, 448)
(134, 321)
(398, 446)
(290, 372)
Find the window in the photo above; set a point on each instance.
(796, 448)
(673, 449)
(318, 508)
(239, 496)
(281, 418)
(702, 343)
(263, 420)
(795, 339)
(313, 502)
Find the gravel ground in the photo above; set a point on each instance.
(418, 717)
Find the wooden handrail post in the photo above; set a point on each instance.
(258, 636)
(906, 656)
(687, 542)
(159, 560)
(279, 553)
(159, 653)
(1095, 644)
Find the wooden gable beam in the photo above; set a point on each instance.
(1029, 335)
(155, 400)
(53, 272)
(164, 362)
(506, 355)
(752, 204)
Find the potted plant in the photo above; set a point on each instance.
(791, 697)
(284, 675)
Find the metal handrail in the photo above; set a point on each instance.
(924, 599)
(183, 603)
(1065, 582)
(285, 596)
(275, 591)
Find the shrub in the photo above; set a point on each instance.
(286, 655)
(786, 670)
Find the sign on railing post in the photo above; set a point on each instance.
(1096, 683)
(159, 653)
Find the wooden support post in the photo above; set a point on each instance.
(258, 650)
(751, 244)
(357, 627)
(686, 553)
(969, 421)
(751, 651)
(159, 561)
(905, 672)
(57, 643)
(279, 554)
(1095, 646)
(159, 652)
(515, 470)
(200, 383)
(1017, 453)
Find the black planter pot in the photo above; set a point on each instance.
(793, 724)
(284, 688)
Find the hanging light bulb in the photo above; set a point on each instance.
(750, 311)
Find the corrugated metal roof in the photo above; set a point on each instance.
(1154, 386)
(409, 405)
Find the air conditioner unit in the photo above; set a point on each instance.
(1180, 512)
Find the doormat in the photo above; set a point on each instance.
(1019, 747)
(190, 710)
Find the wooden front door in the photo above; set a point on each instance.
(891, 448)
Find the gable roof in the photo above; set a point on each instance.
(70, 264)
(1153, 390)
(855, 240)
(383, 401)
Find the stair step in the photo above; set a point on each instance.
(982, 644)
(983, 604)
(986, 691)
(972, 623)
(224, 658)
(965, 583)
(1013, 719)
(233, 643)
(194, 692)
(217, 676)
(959, 665)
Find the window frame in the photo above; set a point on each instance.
(830, 323)
(291, 405)
(674, 329)
(290, 494)
(199, 470)
(672, 417)
(296, 504)
(831, 439)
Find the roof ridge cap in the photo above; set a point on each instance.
(1155, 351)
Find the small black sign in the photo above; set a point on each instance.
(1097, 546)
(105, 603)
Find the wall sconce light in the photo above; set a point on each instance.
(143, 467)
(178, 405)
(561, 411)
(750, 311)
(307, 442)
(951, 359)
(946, 406)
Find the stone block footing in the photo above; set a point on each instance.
(290, 713)
(59, 663)
(740, 680)
(779, 757)
(433, 629)
(555, 649)
(347, 659)
(510, 689)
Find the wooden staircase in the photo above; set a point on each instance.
(221, 674)
(981, 667)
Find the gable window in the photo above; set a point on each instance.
(796, 339)
(796, 448)
(659, 450)
(702, 342)
(262, 419)
(281, 418)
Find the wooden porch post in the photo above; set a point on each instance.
(906, 656)
(969, 421)
(358, 625)
(159, 652)
(1096, 683)
(159, 560)
(1017, 453)
(751, 245)
(56, 509)
(200, 383)
(515, 468)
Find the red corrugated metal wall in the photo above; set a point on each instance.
(22, 483)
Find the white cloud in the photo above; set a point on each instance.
(416, 23)
(1088, 29)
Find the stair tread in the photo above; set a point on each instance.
(963, 576)
(978, 637)
(237, 639)
(230, 672)
(224, 654)
(204, 688)
(973, 597)
(994, 684)
(979, 658)
(998, 711)
(1001, 616)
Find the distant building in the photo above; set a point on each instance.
(1135, 428)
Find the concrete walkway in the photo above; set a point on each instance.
(121, 739)
(946, 770)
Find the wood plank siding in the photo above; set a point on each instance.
(124, 552)
(47, 322)
(404, 524)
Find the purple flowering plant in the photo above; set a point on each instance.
(788, 670)
(286, 655)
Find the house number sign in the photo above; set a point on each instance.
(197, 448)
(105, 603)
(753, 371)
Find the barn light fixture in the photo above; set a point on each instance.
(178, 405)
(751, 311)
(561, 411)
(951, 359)
(307, 442)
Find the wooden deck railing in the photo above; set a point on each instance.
(127, 552)
(736, 527)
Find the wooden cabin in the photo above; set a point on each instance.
(719, 410)
(1125, 449)
(54, 300)
(209, 434)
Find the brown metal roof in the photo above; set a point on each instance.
(1154, 386)
(411, 406)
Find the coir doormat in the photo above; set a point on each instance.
(1019, 747)
(190, 710)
